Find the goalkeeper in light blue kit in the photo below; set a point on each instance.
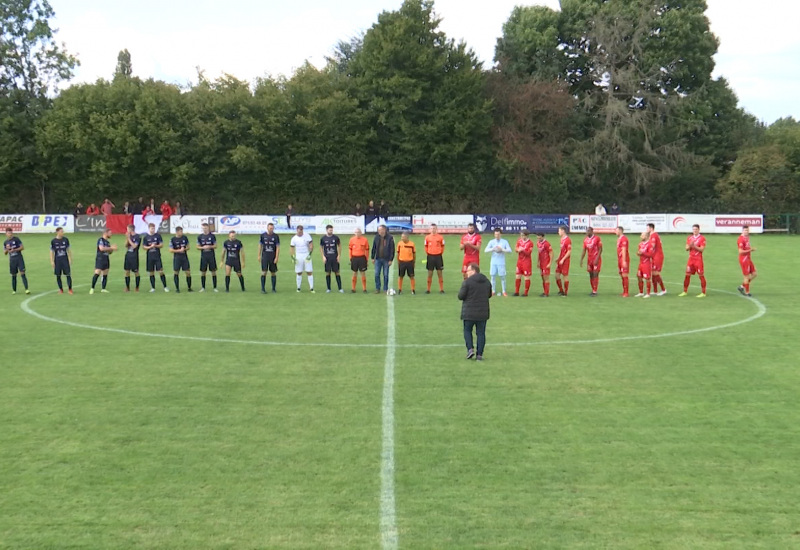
(499, 247)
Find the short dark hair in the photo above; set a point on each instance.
(621, 228)
(745, 227)
(474, 267)
(59, 229)
(498, 230)
(564, 228)
(179, 228)
(204, 224)
(9, 229)
(300, 227)
(652, 226)
(697, 225)
(540, 234)
(329, 226)
(526, 232)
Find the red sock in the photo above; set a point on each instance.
(547, 289)
(355, 280)
(364, 282)
(441, 283)
(661, 282)
(702, 284)
(399, 283)
(747, 287)
(566, 287)
(527, 286)
(686, 280)
(560, 286)
(641, 286)
(593, 281)
(625, 285)
(648, 286)
(516, 286)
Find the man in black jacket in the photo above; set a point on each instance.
(382, 257)
(474, 294)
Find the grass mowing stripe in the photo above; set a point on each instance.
(388, 519)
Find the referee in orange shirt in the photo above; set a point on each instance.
(406, 258)
(359, 248)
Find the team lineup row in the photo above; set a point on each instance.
(382, 253)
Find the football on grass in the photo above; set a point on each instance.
(390, 292)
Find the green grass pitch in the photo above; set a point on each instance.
(592, 423)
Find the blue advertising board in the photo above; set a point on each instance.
(398, 224)
(514, 223)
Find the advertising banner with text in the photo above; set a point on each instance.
(604, 224)
(192, 225)
(637, 223)
(47, 223)
(91, 224)
(446, 223)
(398, 224)
(715, 223)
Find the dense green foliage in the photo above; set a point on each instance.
(604, 100)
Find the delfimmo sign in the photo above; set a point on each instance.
(90, 224)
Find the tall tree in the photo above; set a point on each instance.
(425, 98)
(124, 66)
(31, 66)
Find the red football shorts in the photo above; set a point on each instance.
(563, 269)
(524, 268)
(468, 261)
(694, 266)
(624, 270)
(592, 267)
(658, 262)
(747, 266)
(644, 271)
(545, 272)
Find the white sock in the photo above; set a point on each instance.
(494, 286)
(503, 281)
(299, 280)
(311, 282)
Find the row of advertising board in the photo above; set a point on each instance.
(667, 223)
(419, 223)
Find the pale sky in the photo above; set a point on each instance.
(759, 49)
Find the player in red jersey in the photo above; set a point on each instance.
(562, 264)
(695, 244)
(471, 245)
(658, 260)
(594, 247)
(643, 274)
(544, 262)
(748, 268)
(524, 263)
(623, 259)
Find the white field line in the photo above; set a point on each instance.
(761, 311)
(388, 518)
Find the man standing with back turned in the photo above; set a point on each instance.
(475, 292)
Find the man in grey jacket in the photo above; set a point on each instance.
(474, 295)
(382, 257)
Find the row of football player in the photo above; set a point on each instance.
(650, 253)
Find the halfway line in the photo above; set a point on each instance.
(388, 519)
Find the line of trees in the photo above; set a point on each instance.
(604, 100)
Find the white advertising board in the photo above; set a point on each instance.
(38, 223)
(604, 224)
(715, 223)
(446, 223)
(637, 223)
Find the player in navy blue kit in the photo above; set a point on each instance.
(207, 244)
(178, 247)
(268, 251)
(12, 247)
(102, 261)
(132, 243)
(331, 248)
(233, 259)
(61, 259)
(152, 243)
